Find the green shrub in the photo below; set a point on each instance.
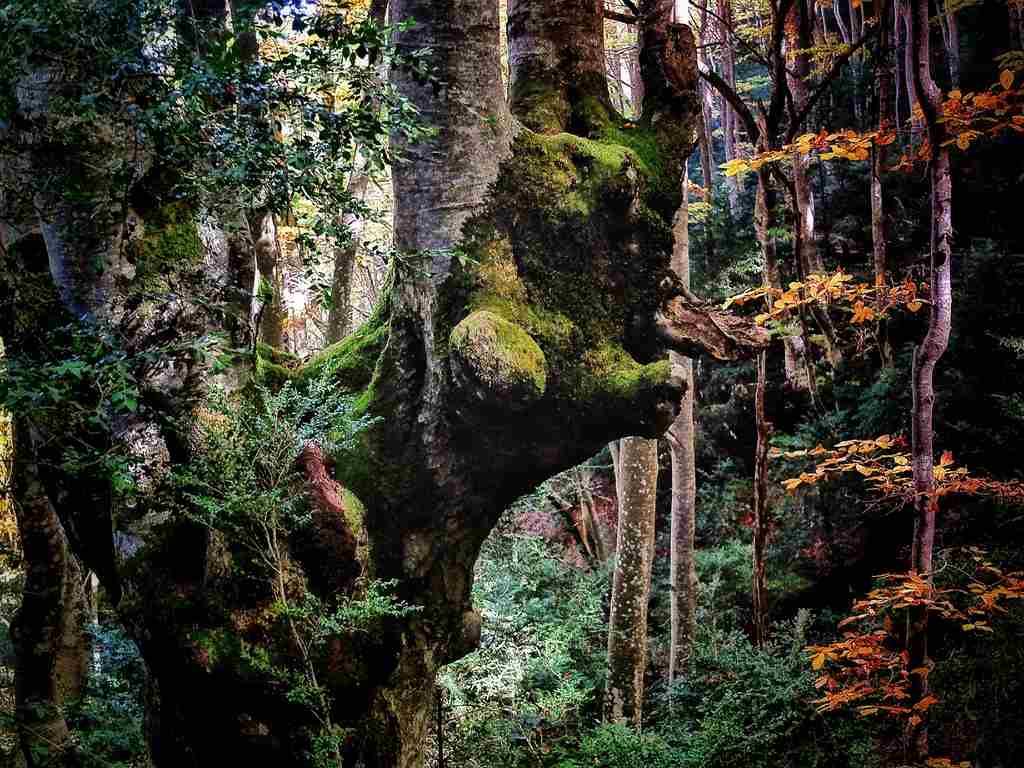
(541, 658)
(740, 706)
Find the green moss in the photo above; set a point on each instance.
(355, 514)
(610, 372)
(541, 106)
(170, 245)
(500, 355)
(351, 361)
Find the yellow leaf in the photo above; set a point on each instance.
(1006, 79)
(963, 141)
(792, 484)
(818, 661)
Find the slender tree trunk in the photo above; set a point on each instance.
(951, 39)
(798, 41)
(1016, 17)
(681, 437)
(631, 583)
(929, 352)
(883, 93)
(762, 524)
(796, 364)
(897, 63)
(728, 117)
(267, 250)
(339, 318)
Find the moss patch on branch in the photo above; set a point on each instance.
(500, 357)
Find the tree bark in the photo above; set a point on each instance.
(884, 96)
(631, 583)
(762, 523)
(339, 318)
(681, 441)
(48, 631)
(267, 251)
(557, 62)
(928, 353)
(728, 115)
(482, 376)
(798, 41)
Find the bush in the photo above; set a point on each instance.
(618, 746)
(107, 721)
(541, 659)
(743, 706)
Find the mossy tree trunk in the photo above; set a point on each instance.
(487, 375)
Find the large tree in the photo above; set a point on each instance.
(526, 326)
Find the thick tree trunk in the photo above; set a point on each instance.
(928, 353)
(681, 437)
(631, 583)
(557, 62)
(482, 376)
(51, 645)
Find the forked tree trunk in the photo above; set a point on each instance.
(927, 355)
(631, 582)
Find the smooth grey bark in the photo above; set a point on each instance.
(928, 353)
(879, 235)
(631, 582)
(556, 59)
(339, 318)
(681, 441)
